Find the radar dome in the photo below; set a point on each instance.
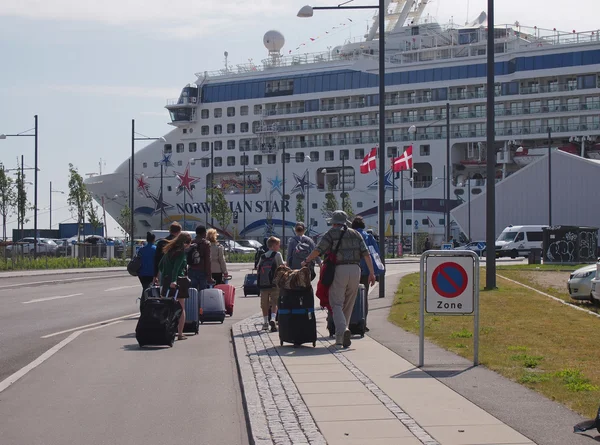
(273, 40)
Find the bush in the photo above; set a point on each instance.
(27, 263)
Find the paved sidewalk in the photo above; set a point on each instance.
(365, 394)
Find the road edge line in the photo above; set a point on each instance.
(85, 327)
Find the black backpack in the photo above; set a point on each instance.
(266, 271)
(193, 255)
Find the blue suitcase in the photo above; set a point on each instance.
(358, 322)
(251, 284)
(192, 312)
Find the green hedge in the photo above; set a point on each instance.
(43, 263)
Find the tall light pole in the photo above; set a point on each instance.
(132, 176)
(343, 177)
(283, 243)
(35, 180)
(490, 226)
(549, 176)
(309, 225)
(244, 203)
(307, 11)
(469, 206)
(413, 132)
(447, 174)
(53, 191)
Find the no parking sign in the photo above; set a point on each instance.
(449, 285)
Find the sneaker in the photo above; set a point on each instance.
(347, 342)
(367, 329)
(265, 326)
(339, 346)
(273, 326)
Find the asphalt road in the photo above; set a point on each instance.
(101, 388)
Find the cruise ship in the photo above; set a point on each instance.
(284, 140)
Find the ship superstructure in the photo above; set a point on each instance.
(316, 117)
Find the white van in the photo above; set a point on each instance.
(515, 241)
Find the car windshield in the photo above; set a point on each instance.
(507, 236)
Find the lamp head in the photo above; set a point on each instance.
(305, 11)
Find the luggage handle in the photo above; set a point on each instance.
(169, 291)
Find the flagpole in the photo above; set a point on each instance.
(393, 213)
(402, 210)
(412, 225)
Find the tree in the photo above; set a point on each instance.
(92, 216)
(22, 203)
(300, 212)
(79, 198)
(220, 208)
(124, 220)
(330, 205)
(8, 199)
(347, 206)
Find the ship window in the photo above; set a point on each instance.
(205, 146)
(314, 205)
(244, 160)
(192, 147)
(230, 128)
(425, 222)
(145, 165)
(204, 162)
(169, 188)
(218, 112)
(230, 111)
(204, 130)
(218, 145)
(329, 155)
(300, 156)
(184, 130)
(244, 110)
(314, 156)
(218, 161)
(359, 153)
(392, 152)
(271, 159)
(345, 154)
(218, 129)
(156, 164)
(180, 148)
(409, 222)
(230, 161)
(244, 127)
(425, 150)
(285, 158)
(179, 163)
(230, 144)
(204, 114)
(441, 221)
(257, 109)
(258, 159)
(168, 149)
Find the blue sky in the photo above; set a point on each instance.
(87, 68)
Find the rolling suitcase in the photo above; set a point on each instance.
(296, 314)
(192, 312)
(212, 305)
(358, 323)
(150, 292)
(157, 325)
(251, 284)
(229, 295)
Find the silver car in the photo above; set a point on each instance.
(580, 283)
(25, 246)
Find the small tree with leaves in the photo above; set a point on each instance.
(8, 199)
(79, 199)
(124, 220)
(300, 212)
(331, 204)
(220, 208)
(22, 203)
(93, 217)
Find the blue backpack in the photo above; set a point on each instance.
(373, 248)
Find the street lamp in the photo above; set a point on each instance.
(308, 158)
(53, 191)
(412, 225)
(307, 11)
(35, 193)
(132, 176)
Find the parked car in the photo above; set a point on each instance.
(233, 247)
(476, 246)
(580, 283)
(595, 286)
(25, 246)
(252, 243)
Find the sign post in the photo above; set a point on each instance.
(449, 285)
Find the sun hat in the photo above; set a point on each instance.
(339, 217)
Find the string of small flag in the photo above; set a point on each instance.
(339, 27)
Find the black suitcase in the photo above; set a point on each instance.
(157, 325)
(296, 314)
(358, 323)
(251, 284)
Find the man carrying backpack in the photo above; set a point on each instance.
(198, 260)
(269, 293)
(299, 247)
(174, 230)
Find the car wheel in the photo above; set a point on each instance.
(514, 254)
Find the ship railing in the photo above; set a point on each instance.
(182, 101)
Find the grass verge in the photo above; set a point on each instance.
(528, 338)
(43, 263)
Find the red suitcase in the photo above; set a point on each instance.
(229, 294)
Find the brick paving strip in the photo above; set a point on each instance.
(276, 411)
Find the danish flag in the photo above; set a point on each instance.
(369, 162)
(404, 161)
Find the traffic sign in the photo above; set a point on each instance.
(480, 246)
(447, 246)
(450, 285)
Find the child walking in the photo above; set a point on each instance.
(269, 293)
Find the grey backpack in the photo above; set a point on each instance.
(300, 253)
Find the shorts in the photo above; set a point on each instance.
(269, 298)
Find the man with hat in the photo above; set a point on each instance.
(343, 290)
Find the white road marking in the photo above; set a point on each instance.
(65, 280)
(119, 288)
(38, 300)
(105, 323)
(45, 356)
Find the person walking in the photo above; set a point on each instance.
(218, 266)
(299, 247)
(172, 266)
(343, 290)
(358, 224)
(198, 260)
(427, 245)
(174, 230)
(146, 272)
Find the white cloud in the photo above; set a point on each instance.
(121, 91)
